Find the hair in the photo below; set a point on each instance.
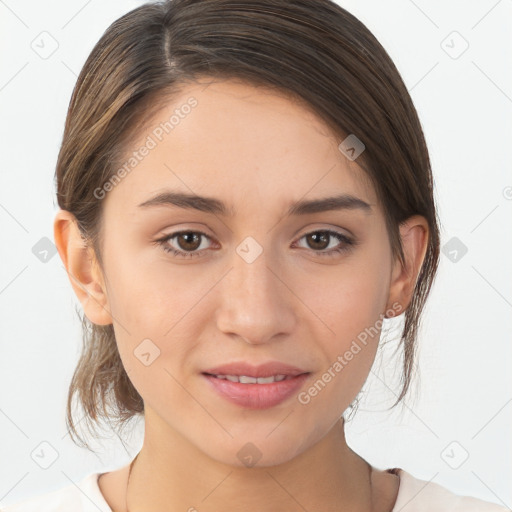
(315, 52)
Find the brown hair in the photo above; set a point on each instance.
(312, 50)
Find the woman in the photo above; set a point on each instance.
(245, 196)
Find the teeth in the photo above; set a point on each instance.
(244, 379)
(263, 380)
(247, 380)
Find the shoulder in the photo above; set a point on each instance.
(82, 497)
(416, 495)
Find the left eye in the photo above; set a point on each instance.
(320, 237)
(191, 242)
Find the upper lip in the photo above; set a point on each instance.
(262, 370)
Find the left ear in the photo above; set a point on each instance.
(414, 233)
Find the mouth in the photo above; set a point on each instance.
(241, 369)
(259, 387)
(246, 379)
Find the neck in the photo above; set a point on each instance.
(174, 475)
(328, 476)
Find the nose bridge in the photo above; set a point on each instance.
(252, 281)
(254, 302)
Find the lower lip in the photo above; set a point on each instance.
(257, 396)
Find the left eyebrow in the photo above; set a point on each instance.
(341, 202)
(215, 206)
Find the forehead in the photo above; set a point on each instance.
(240, 142)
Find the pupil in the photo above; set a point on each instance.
(323, 237)
(185, 236)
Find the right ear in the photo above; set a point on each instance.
(82, 267)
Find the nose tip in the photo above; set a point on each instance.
(255, 304)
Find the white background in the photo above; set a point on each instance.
(464, 394)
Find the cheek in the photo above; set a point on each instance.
(158, 310)
(353, 316)
(155, 313)
(148, 293)
(349, 297)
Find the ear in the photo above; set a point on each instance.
(414, 233)
(82, 267)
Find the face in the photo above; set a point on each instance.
(189, 290)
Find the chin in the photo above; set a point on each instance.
(257, 451)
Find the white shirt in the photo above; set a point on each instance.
(414, 495)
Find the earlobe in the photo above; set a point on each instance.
(82, 268)
(414, 233)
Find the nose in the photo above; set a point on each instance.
(257, 303)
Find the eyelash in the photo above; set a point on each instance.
(348, 243)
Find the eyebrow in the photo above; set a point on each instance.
(215, 206)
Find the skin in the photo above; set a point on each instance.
(258, 152)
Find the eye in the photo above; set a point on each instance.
(190, 241)
(320, 240)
